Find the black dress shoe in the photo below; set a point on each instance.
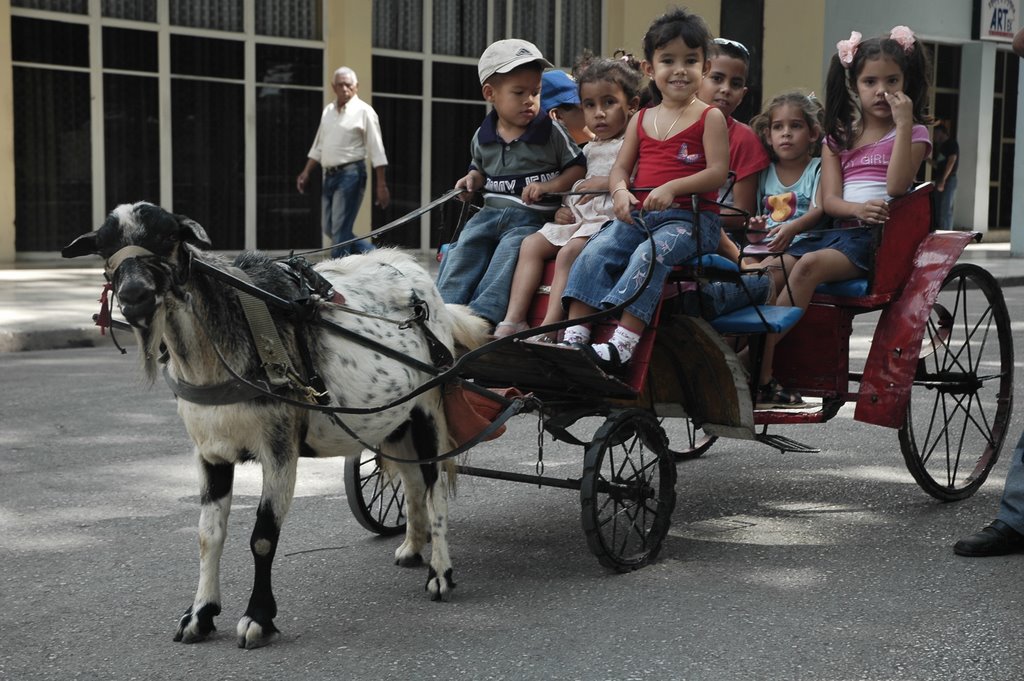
(998, 539)
(613, 366)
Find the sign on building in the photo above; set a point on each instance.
(995, 20)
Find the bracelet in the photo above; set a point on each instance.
(620, 189)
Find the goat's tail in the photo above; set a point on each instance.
(468, 330)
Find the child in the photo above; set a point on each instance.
(787, 190)
(725, 86)
(680, 147)
(876, 95)
(609, 91)
(790, 196)
(517, 158)
(560, 101)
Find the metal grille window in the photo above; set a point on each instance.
(136, 10)
(459, 27)
(289, 19)
(68, 6)
(426, 89)
(221, 15)
(214, 125)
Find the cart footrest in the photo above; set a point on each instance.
(785, 444)
(758, 319)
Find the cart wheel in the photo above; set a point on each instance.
(694, 443)
(628, 490)
(377, 500)
(963, 390)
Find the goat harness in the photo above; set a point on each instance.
(281, 375)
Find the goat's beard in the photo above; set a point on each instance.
(149, 339)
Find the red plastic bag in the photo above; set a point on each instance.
(468, 412)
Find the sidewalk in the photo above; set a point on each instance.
(47, 306)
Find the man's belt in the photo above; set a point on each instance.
(330, 170)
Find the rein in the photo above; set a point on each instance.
(445, 367)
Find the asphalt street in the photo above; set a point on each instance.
(829, 566)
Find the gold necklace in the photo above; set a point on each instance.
(657, 132)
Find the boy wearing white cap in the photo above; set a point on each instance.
(517, 158)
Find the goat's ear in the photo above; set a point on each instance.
(83, 245)
(193, 233)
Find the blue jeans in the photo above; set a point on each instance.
(615, 261)
(944, 204)
(716, 298)
(1011, 506)
(342, 194)
(477, 269)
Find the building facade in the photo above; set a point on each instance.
(209, 108)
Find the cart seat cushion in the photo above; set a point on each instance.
(851, 288)
(713, 261)
(778, 318)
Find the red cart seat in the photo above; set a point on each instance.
(895, 244)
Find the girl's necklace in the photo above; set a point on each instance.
(657, 132)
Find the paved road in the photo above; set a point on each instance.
(827, 566)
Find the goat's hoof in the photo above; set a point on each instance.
(409, 560)
(193, 628)
(440, 589)
(252, 634)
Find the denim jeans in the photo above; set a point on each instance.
(1011, 506)
(342, 194)
(944, 204)
(716, 298)
(615, 261)
(477, 269)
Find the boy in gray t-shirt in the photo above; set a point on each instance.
(517, 158)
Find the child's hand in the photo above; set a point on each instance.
(533, 192)
(902, 108)
(564, 216)
(756, 229)
(622, 204)
(781, 237)
(470, 183)
(875, 211)
(591, 184)
(659, 199)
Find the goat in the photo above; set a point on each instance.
(199, 320)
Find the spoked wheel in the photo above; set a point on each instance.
(694, 443)
(963, 390)
(377, 500)
(628, 490)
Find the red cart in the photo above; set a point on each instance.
(939, 369)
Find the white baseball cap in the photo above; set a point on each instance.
(504, 55)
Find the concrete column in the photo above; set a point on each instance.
(6, 137)
(974, 133)
(348, 37)
(1017, 210)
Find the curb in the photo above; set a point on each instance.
(50, 339)
(88, 336)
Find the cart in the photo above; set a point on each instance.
(939, 370)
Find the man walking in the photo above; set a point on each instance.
(348, 135)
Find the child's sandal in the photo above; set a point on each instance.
(508, 328)
(772, 395)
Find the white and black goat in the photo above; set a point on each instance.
(196, 316)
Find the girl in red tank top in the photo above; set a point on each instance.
(678, 148)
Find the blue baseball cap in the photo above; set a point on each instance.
(557, 88)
